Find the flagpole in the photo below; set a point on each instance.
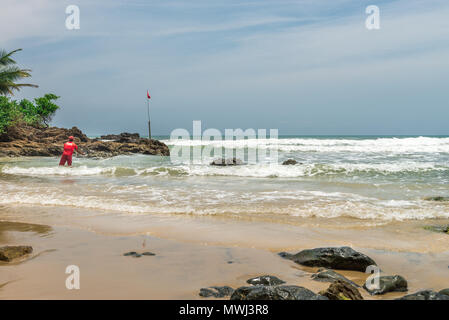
(149, 123)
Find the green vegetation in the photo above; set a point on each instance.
(10, 73)
(36, 114)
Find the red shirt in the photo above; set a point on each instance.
(69, 147)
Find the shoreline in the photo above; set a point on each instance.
(198, 258)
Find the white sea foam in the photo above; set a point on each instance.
(378, 145)
(56, 171)
(257, 170)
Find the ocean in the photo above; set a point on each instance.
(364, 179)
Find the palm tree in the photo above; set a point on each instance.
(10, 73)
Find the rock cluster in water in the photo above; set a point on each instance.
(24, 140)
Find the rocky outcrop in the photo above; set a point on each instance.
(24, 140)
(216, 292)
(343, 258)
(265, 281)
(326, 275)
(388, 284)
(227, 162)
(425, 295)
(9, 253)
(342, 290)
(289, 162)
(275, 293)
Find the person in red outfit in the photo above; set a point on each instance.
(69, 147)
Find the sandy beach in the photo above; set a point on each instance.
(197, 252)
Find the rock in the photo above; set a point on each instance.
(437, 198)
(148, 253)
(275, 293)
(9, 253)
(216, 292)
(265, 281)
(444, 291)
(122, 137)
(342, 290)
(343, 258)
(25, 140)
(425, 295)
(289, 162)
(326, 275)
(133, 254)
(443, 229)
(388, 284)
(227, 162)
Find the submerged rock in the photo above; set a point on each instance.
(425, 295)
(216, 292)
(138, 255)
(443, 229)
(289, 162)
(132, 254)
(227, 162)
(388, 284)
(326, 275)
(275, 293)
(9, 253)
(437, 198)
(265, 281)
(343, 258)
(342, 290)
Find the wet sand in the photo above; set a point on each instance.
(197, 252)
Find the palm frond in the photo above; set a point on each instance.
(5, 57)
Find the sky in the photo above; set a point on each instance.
(306, 67)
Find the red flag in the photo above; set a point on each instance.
(148, 95)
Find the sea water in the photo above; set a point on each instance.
(369, 179)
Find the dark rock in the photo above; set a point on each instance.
(343, 258)
(216, 292)
(388, 284)
(122, 137)
(227, 162)
(326, 275)
(9, 253)
(148, 253)
(444, 291)
(275, 293)
(342, 290)
(438, 198)
(289, 162)
(443, 229)
(425, 295)
(265, 281)
(133, 254)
